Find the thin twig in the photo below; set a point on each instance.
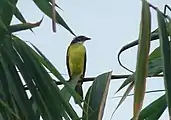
(53, 16)
(165, 8)
(152, 91)
(156, 9)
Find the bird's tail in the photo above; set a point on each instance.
(79, 90)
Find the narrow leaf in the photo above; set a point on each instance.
(142, 59)
(126, 82)
(16, 87)
(9, 110)
(16, 11)
(55, 95)
(151, 91)
(124, 97)
(66, 94)
(165, 52)
(54, 71)
(155, 66)
(24, 26)
(46, 7)
(2, 25)
(154, 110)
(55, 4)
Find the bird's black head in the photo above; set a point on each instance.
(80, 39)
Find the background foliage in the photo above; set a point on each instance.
(28, 91)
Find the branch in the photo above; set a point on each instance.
(113, 77)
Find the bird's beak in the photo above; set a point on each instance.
(88, 38)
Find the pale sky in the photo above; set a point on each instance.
(111, 24)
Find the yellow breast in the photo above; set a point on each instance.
(76, 55)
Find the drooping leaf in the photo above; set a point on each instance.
(62, 104)
(16, 85)
(46, 7)
(56, 73)
(24, 26)
(23, 66)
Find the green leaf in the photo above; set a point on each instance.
(43, 81)
(16, 85)
(155, 66)
(66, 94)
(156, 53)
(150, 91)
(142, 59)
(165, 52)
(2, 25)
(126, 82)
(19, 16)
(35, 108)
(16, 11)
(18, 59)
(6, 13)
(124, 97)
(50, 1)
(168, 25)
(24, 26)
(54, 98)
(6, 96)
(154, 110)
(96, 97)
(9, 110)
(46, 7)
(55, 72)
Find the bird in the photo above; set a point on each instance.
(76, 61)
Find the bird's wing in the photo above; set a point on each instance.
(85, 60)
(67, 62)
